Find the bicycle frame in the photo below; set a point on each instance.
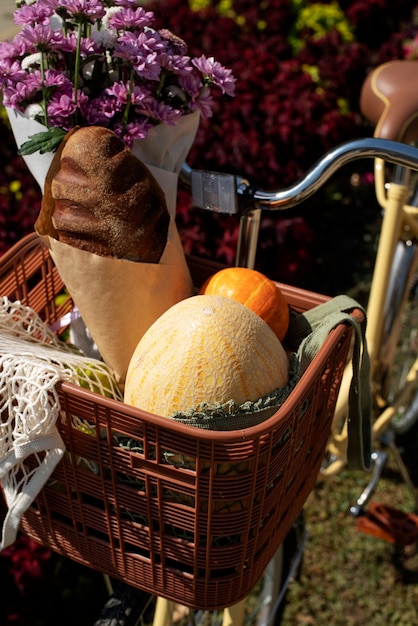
(399, 222)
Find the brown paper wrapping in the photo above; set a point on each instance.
(119, 300)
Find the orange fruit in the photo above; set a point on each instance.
(254, 290)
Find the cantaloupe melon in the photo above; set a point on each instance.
(205, 350)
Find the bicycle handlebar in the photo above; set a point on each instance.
(391, 151)
(226, 193)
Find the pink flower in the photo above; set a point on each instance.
(84, 8)
(162, 113)
(131, 19)
(137, 129)
(68, 44)
(204, 103)
(10, 71)
(127, 3)
(216, 73)
(99, 111)
(122, 95)
(38, 13)
(41, 37)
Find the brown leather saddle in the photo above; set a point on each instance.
(389, 99)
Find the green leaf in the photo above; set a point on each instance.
(46, 141)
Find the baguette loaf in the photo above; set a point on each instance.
(106, 201)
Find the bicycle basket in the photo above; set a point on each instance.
(187, 514)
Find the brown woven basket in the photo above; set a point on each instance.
(188, 514)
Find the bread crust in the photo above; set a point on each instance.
(106, 201)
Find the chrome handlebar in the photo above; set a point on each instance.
(227, 193)
(390, 151)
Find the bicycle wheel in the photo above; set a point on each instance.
(263, 607)
(400, 345)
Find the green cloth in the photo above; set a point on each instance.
(310, 331)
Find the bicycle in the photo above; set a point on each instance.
(233, 195)
(389, 101)
(392, 336)
(393, 279)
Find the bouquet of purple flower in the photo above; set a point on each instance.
(100, 62)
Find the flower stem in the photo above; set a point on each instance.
(77, 62)
(160, 87)
(128, 100)
(44, 94)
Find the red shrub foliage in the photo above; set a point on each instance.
(289, 109)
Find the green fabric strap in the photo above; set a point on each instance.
(310, 330)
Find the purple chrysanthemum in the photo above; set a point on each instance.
(136, 129)
(88, 45)
(81, 62)
(126, 3)
(216, 73)
(41, 37)
(162, 113)
(84, 8)
(37, 13)
(11, 72)
(131, 19)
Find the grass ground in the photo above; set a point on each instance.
(349, 578)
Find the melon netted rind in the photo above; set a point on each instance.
(205, 350)
(229, 416)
